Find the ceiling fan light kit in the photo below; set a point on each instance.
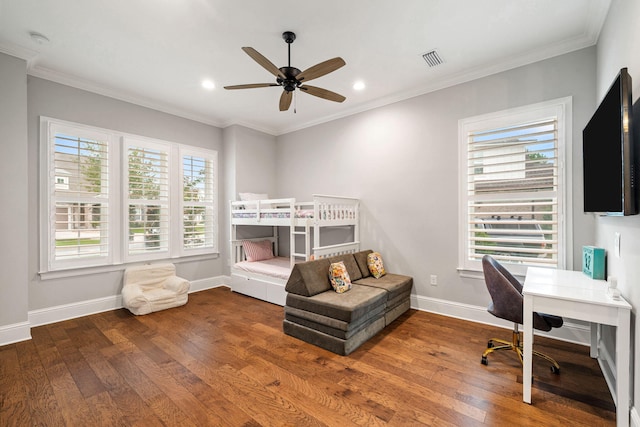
(291, 78)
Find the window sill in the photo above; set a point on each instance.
(479, 275)
(86, 271)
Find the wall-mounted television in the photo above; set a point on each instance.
(610, 154)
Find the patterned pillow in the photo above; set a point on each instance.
(375, 264)
(339, 277)
(257, 251)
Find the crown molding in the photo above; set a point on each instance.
(21, 52)
(78, 83)
(587, 39)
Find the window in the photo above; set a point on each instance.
(167, 207)
(78, 208)
(198, 208)
(512, 195)
(147, 184)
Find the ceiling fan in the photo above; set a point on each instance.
(291, 78)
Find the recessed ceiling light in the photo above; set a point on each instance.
(38, 37)
(359, 85)
(208, 84)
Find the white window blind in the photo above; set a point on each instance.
(512, 196)
(512, 184)
(78, 205)
(198, 201)
(148, 197)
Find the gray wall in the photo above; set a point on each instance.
(54, 100)
(618, 47)
(401, 160)
(250, 161)
(14, 193)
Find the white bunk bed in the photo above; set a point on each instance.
(266, 279)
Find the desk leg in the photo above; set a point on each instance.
(528, 348)
(593, 350)
(623, 333)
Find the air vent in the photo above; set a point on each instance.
(432, 58)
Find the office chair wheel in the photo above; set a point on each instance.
(555, 370)
(484, 360)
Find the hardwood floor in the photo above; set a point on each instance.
(223, 360)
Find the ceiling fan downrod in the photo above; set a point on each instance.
(290, 83)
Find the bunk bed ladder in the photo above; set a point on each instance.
(300, 230)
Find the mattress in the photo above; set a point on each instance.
(279, 267)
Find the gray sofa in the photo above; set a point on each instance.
(341, 322)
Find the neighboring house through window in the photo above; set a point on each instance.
(512, 196)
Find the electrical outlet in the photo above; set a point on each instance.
(434, 280)
(616, 245)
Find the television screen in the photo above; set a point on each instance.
(608, 153)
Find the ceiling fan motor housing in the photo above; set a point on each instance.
(289, 36)
(290, 83)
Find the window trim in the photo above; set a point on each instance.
(562, 109)
(117, 199)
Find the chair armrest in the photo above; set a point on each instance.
(132, 296)
(177, 284)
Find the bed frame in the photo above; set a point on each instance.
(323, 212)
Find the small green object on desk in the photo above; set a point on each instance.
(593, 262)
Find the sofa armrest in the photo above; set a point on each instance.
(177, 284)
(132, 296)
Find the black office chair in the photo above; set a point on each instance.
(507, 303)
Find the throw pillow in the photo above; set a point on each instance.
(375, 264)
(257, 251)
(339, 277)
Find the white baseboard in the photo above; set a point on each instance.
(84, 308)
(209, 283)
(635, 418)
(12, 333)
(15, 332)
(59, 313)
(571, 332)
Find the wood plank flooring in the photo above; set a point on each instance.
(223, 360)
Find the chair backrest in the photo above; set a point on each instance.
(505, 291)
(506, 295)
(148, 276)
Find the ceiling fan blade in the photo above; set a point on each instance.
(321, 69)
(251, 86)
(285, 100)
(264, 62)
(322, 93)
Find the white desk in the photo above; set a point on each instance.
(572, 294)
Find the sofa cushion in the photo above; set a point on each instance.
(350, 263)
(339, 277)
(349, 306)
(332, 323)
(361, 260)
(331, 343)
(394, 284)
(309, 278)
(327, 325)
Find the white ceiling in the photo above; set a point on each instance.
(156, 52)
